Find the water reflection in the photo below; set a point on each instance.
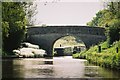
(91, 71)
(58, 67)
(48, 62)
(27, 68)
(66, 67)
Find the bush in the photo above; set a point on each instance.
(113, 32)
(107, 58)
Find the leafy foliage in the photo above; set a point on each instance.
(107, 58)
(14, 21)
(103, 17)
(113, 32)
(110, 19)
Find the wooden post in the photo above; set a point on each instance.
(99, 48)
(117, 50)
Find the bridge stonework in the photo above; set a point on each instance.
(45, 37)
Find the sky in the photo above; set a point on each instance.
(66, 12)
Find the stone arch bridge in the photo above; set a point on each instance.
(45, 37)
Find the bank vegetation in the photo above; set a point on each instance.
(106, 54)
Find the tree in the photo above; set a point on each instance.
(113, 32)
(30, 12)
(14, 21)
(102, 18)
(110, 19)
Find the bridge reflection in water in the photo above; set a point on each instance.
(58, 67)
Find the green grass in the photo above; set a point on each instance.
(108, 57)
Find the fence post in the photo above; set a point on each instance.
(116, 49)
(99, 48)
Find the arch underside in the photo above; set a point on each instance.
(46, 41)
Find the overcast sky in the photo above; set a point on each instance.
(70, 12)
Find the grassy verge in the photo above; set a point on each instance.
(108, 57)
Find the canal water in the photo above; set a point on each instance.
(58, 67)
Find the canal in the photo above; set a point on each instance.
(58, 67)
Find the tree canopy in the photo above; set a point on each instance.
(15, 18)
(109, 18)
(106, 16)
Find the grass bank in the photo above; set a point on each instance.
(108, 57)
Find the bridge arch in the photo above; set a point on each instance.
(76, 38)
(65, 43)
(45, 37)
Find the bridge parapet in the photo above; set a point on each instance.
(66, 29)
